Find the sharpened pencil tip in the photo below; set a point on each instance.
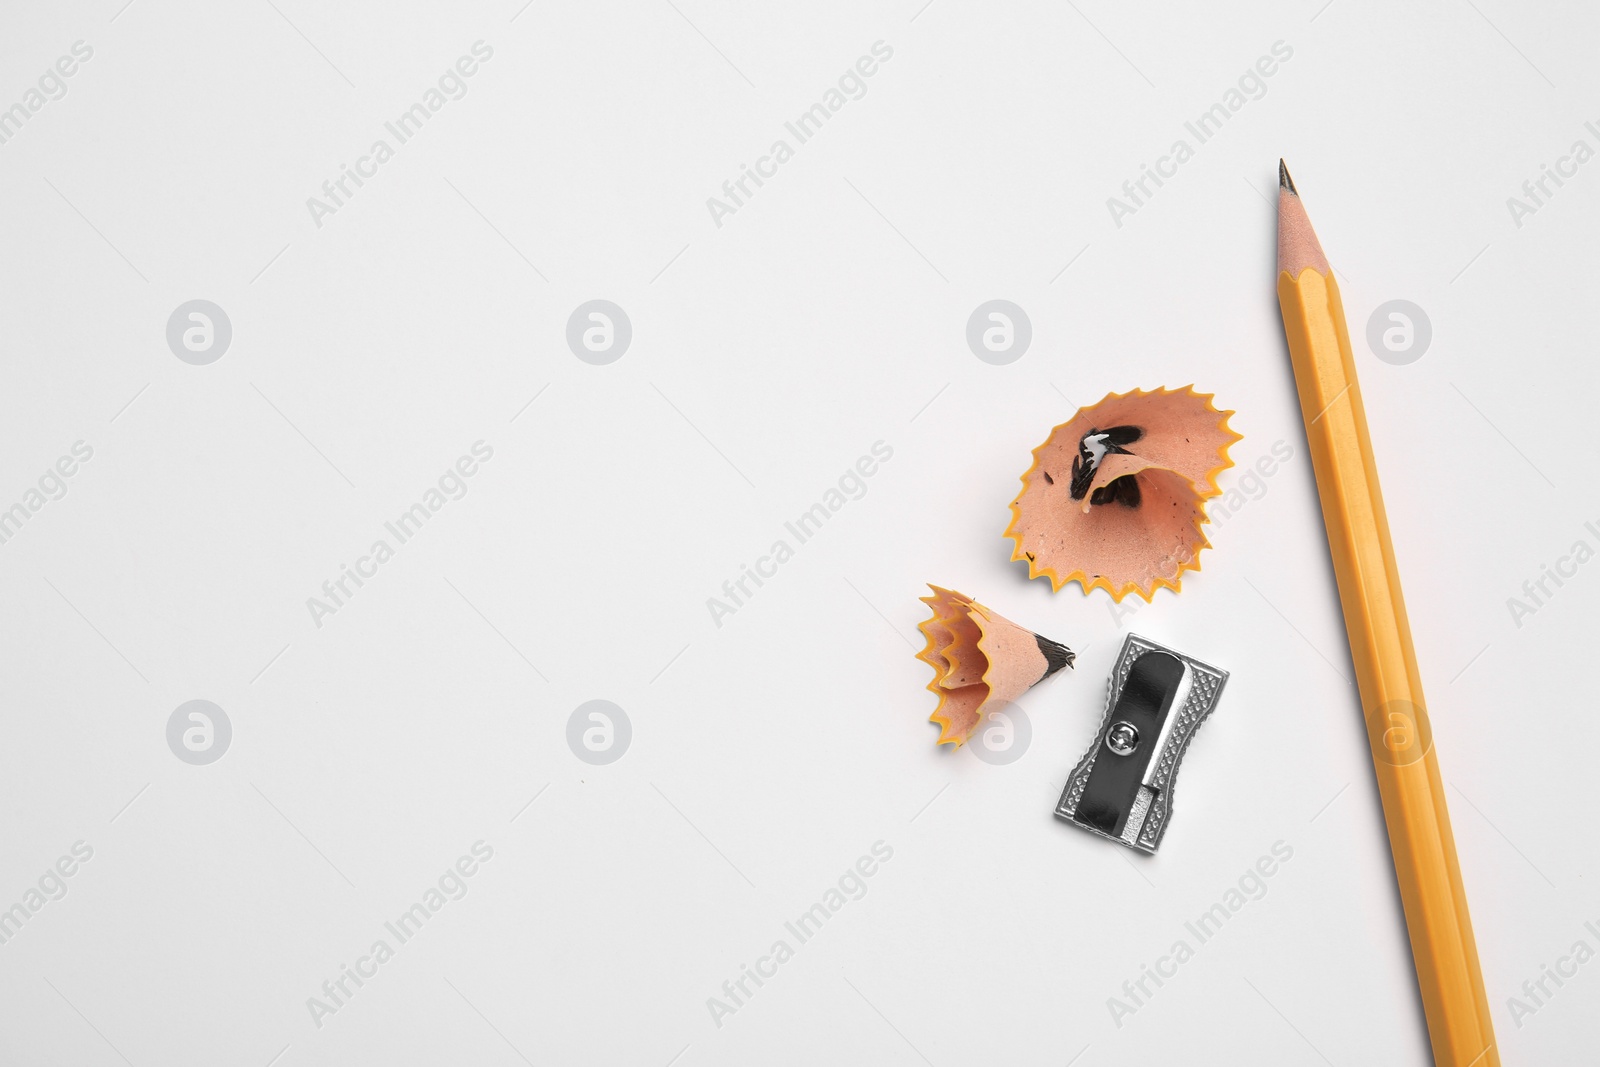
(1298, 247)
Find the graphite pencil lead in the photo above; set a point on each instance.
(1284, 181)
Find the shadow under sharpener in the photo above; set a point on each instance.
(1122, 788)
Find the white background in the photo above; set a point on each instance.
(828, 313)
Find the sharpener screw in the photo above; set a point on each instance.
(1122, 738)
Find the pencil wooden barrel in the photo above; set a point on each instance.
(1403, 757)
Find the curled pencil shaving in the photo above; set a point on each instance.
(1115, 496)
(981, 661)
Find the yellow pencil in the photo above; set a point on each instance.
(1380, 646)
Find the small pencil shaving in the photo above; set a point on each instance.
(981, 662)
(1116, 496)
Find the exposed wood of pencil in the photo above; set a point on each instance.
(1403, 757)
(1298, 247)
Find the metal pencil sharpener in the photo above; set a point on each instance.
(1122, 788)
